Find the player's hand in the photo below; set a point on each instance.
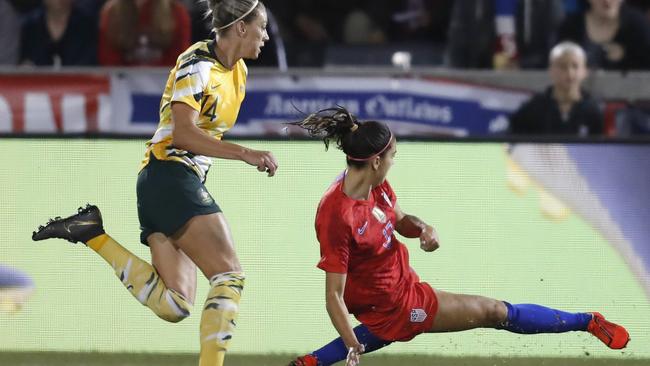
(354, 354)
(429, 239)
(263, 160)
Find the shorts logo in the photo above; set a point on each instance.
(204, 196)
(418, 315)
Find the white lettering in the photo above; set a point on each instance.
(407, 108)
(277, 105)
(379, 107)
(499, 124)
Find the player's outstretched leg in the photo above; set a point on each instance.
(336, 351)
(533, 319)
(613, 335)
(219, 317)
(207, 241)
(462, 312)
(306, 360)
(80, 227)
(138, 276)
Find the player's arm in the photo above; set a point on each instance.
(411, 226)
(187, 136)
(338, 312)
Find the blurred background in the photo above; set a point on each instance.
(431, 67)
(531, 159)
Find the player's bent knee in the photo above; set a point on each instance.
(495, 312)
(172, 318)
(173, 307)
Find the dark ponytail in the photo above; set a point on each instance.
(359, 140)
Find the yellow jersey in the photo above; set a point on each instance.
(201, 82)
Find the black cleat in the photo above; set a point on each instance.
(80, 227)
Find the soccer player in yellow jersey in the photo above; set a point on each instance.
(181, 223)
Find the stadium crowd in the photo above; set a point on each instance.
(461, 34)
(613, 35)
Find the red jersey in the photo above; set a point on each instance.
(356, 237)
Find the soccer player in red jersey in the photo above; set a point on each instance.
(367, 267)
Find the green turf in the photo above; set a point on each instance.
(102, 359)
(494, 242)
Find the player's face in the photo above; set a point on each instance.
(386, 161)
(568, 71)
(255, 35)
(608, 9)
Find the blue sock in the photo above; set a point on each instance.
(336, 351)
(533, 319)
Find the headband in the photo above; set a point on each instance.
(241, 17)
(374, 155)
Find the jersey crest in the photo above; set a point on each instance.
(418, 315)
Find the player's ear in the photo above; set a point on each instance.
(375, 162)
(241, 28)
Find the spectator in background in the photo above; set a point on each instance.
(91, 7)
(564, 108)
(502, 33)
(9, 34)
(360, 27)
(309, 26)
(143, 32)
(26, 6)
(201, 25)
(615, 36)
(573, 6)
(319, 20)
(643, 5)
(58, 34)
(419, 20)
(397, 21)
(536, 25)
(505, 52)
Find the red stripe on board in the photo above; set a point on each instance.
(56, 101)
(92, 112)
(15, 88)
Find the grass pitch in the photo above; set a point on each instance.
(113, 359)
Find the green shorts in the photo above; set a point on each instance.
(169, 195)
